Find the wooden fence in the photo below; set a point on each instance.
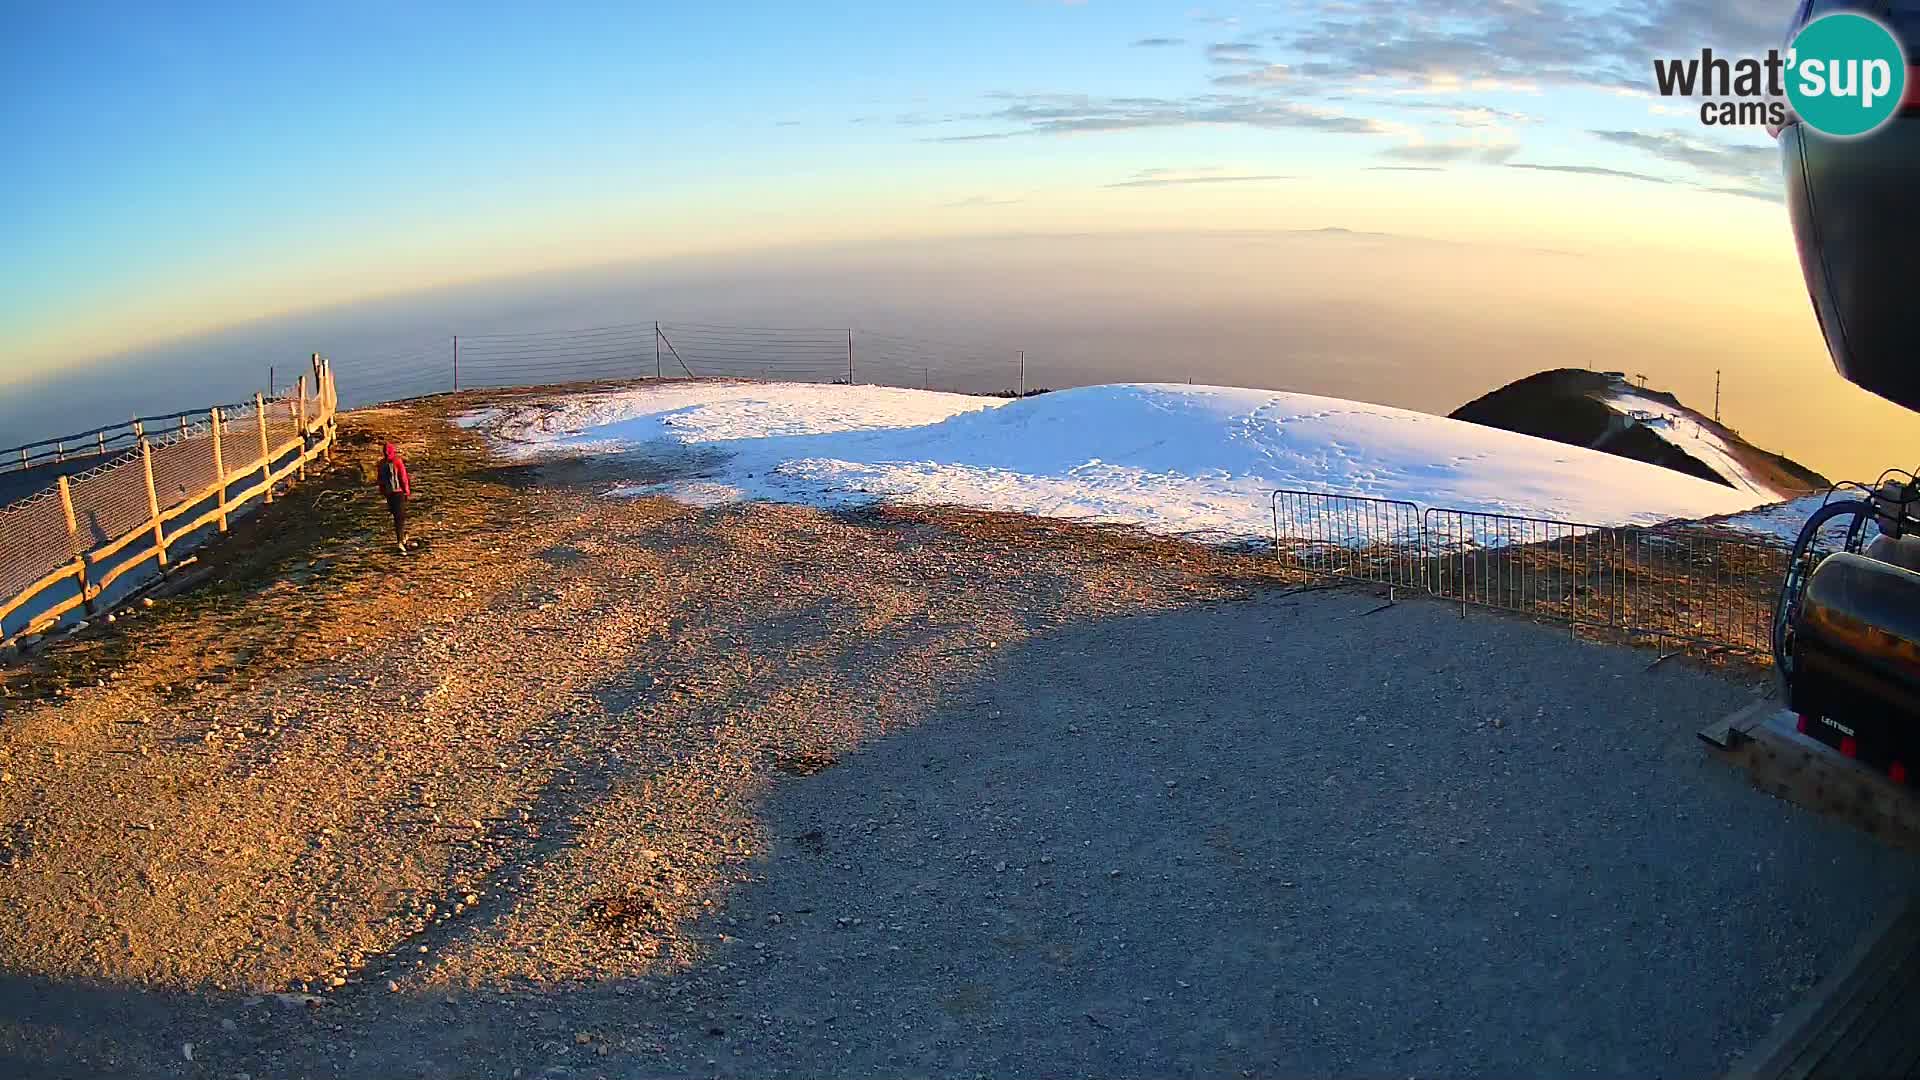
(66, 546)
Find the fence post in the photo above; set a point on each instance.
(266, 449)
(100, 439)
(219, 465)
(297, 410)
(73, 544)
(153, 503)
(329, 402)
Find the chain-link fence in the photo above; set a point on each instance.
(66, 546)
(679, 349)
(1681, 583)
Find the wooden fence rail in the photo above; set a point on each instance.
(118, 516)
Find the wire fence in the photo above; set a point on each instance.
(1681, 583)
(680, 350)
(67, 545)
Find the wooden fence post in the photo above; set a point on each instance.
(297, 408)
(327, 403)
(266, 448)
(219, 464)
(73, 544)
(153, 503)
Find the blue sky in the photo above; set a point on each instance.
(176, 169)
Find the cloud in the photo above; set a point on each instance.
(1746, 193)
(1490, 152)
(1405, 168)
(975, 202)
(1235, 53)
(1590, 170)
(1159, 178)
(1755, 166)
(1488, 44)
(1158, 42)
(1074, 114)
(1264, 75)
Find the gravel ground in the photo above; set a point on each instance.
(619, 788)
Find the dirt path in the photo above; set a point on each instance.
(617, 787)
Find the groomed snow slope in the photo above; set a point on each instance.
(1192, 460)
(1681, 428)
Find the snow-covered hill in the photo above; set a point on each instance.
(1171, 458)
(1605, 411)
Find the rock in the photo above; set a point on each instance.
(146, 601)
(229, 1025)
(581, 1038)
(186, 1051)
(392, 987)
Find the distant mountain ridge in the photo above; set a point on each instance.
(1604, 411)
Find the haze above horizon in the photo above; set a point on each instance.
(177, 172)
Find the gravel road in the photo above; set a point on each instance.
(626, 789)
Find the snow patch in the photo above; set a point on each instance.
(1176, 459)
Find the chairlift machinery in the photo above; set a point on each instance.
(1846, 628)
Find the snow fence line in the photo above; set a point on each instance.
(90, 538)
(1684, 583)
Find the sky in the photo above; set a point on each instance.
(176, 169)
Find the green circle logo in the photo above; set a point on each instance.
(1846, 74)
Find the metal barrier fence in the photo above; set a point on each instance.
(64, 547)
(1349, 536)
(1681, 583)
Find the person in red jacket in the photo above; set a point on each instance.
(398, 488)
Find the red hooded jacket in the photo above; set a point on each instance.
(393, 474)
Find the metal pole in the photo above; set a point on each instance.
(656, 348)
(456, 363)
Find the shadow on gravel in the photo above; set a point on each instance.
(1283, 836)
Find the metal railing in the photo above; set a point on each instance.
(1353, 537)
(1680, 583)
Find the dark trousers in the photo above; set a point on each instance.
(397, 506)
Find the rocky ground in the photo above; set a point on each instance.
(594, 787)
